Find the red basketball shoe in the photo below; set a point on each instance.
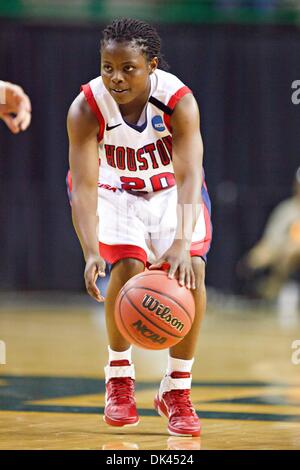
(120, 408)
(173, 401)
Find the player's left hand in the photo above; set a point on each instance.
(180, 264)
(15, 107)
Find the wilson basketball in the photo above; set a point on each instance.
(153, 311)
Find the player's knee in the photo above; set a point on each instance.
(128, 267)
(199, 271)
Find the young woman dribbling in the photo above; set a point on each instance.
(136, 164)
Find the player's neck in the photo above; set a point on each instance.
(132, 111)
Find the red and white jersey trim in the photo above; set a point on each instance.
(95, 108)
(172, 103)
(137, 158)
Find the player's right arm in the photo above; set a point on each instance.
(84, 165)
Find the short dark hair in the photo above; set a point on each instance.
(145, 36)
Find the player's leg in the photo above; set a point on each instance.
(173, 399)
(185, 349)
(121, 272)
(123, 261)
(120, 407)
(122, 245)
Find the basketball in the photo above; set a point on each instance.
(153, 311)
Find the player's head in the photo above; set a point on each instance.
(130, 52)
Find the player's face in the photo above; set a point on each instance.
(125, 71)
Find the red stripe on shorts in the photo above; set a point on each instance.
(201, 247)
(113, 253)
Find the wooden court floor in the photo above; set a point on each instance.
(246, 388)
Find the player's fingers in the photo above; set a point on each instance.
(17, 90)
(96, 296)
(13, 96)
(93, 285)
(9, 121)
(26, 121)
(26, 102)
(90, 277)
(173, 269)
(182, 274)
(193, 279)
(94, 276)
(16, 100)
(188, 279)
(22, 119)
(101, 268)
(157, 265)
(18, 95)
(93, 291)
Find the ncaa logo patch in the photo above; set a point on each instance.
(158, 123)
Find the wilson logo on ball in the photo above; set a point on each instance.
(153, 305)
(147, 333)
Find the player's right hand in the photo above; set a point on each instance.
(95, 266)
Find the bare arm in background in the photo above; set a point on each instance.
(15, 107)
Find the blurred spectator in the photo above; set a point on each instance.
(15, 107)
(278, 251)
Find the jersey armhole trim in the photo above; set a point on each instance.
(172, 103)
(88, 94)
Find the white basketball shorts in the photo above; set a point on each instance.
(143, 226)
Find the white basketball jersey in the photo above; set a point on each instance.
(137, 157)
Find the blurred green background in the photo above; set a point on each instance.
(195, 11)
(240, 58)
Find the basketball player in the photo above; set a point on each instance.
(15, 107)
(142, 124)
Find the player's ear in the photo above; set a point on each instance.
(153, 64)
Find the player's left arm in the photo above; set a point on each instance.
(187, 151)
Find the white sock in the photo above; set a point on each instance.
(179, 365)
(119, 355)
